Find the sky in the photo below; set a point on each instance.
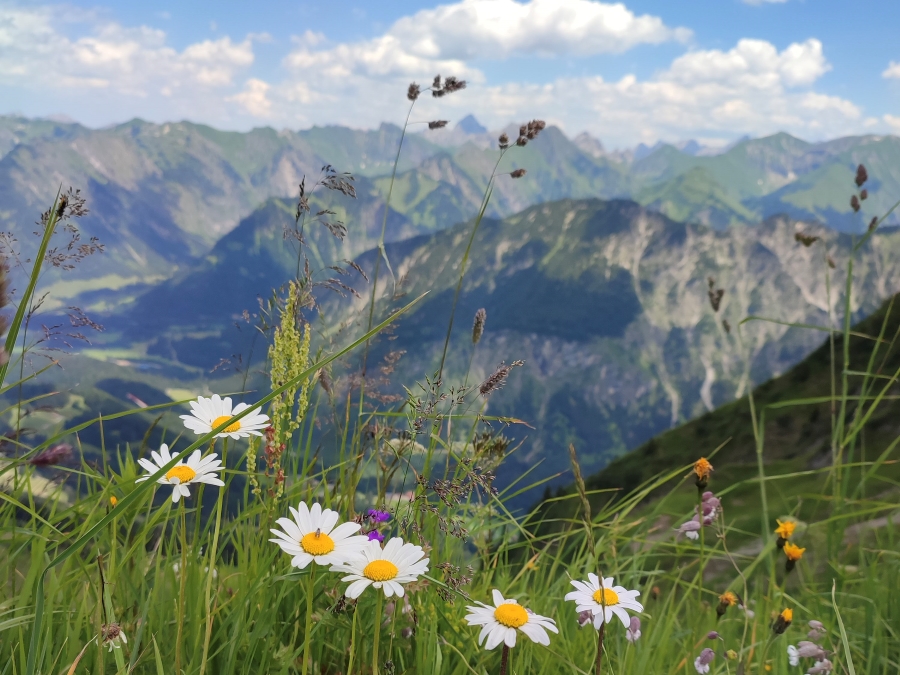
(632, 72)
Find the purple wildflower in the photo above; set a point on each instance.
(701, 663)
(377, 516)
(375, 535)
(634, 630)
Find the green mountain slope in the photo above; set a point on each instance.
(695, 196)
(605, 301)
(797, 433)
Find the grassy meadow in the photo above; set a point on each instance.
(104, 573)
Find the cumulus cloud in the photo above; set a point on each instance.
(892, 71)
(751, 88)
(449, 37)
(132, 61)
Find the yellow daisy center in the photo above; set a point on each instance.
(317, 543)
(230, 429)
(182, 472)
(511, 615)
(380, 570)
(606, 596)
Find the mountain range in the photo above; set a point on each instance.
(594, 268)
(606, 302)
(162, 195)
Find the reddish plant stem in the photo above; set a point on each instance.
(599, 647)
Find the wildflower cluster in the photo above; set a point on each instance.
(704, 515)
(812, 649)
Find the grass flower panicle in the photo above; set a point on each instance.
(314, 536)
(209, 413)
(195, 469)
(501, 621)
(604, 600)
(387, 568)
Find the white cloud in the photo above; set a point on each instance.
(448, 37)
(752, 88)
(495, 29)
(892, 71)
(253, 98)
(893, 121)
(132, 61)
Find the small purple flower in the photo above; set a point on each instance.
(689, 529)
(701, 663)
(821, 667)
(810, 650)
(817, 630)
(712, 635)
(377, 516)
(375, 535)
(634, 630)
(585, 617)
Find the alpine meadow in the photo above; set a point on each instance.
(431, 398)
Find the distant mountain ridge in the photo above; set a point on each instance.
(605, 301)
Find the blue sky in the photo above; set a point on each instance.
(631, 72)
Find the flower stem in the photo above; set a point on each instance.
(504, 660)
(212, 559)
(600, 634)
(183, 574)
(352, 641)
(378, 613)
(702, 544)
(310, 590)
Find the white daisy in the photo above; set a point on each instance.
(604, 600)
(500, 622)
(209, 413)
(312, 535)
(196, 469)
(387, 568)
